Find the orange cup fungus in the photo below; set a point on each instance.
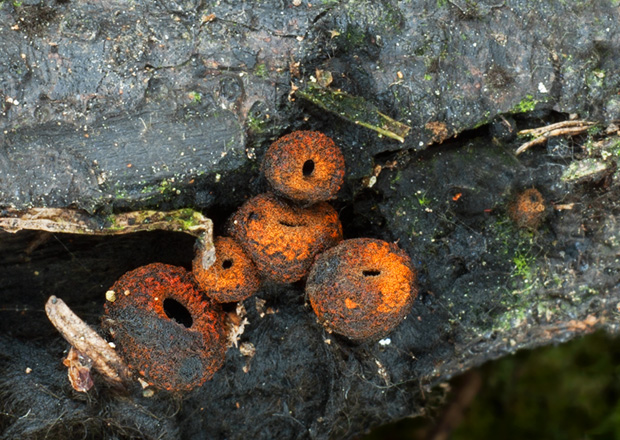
(362, 288)
(528, 209)
(164, 328)
(304, 166)
(283, 239)
(233, 276)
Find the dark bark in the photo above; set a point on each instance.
(109, 106)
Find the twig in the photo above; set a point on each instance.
(564, 124)
(542, 134)
(87, 342)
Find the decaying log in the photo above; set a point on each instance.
(115, 107)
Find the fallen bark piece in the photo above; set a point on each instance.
(73, 221)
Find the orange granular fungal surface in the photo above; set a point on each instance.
(233, 276)
(164, 328)
(304, 166)
(362, 288)
(283, 239)
(528, 209)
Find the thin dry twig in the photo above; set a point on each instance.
(87, 342)
(547, 128)
(542, 134)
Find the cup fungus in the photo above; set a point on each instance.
(362, 288)
(528, 209)
(164, 328)
(283, 239)
(304, 166)
(231, 278)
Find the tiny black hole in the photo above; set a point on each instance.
(177, 311)
(227, 264)
(371, 273)
(308, 168)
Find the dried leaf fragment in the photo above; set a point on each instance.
(78, 371)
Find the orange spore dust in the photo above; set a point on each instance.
(362, 288)
(164, 328)
(283, 239)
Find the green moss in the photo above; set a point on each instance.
(515, 251)
(396, 178)
(527, 104)
(196, 97)
(111, 224)
(484, 121)
(256, 124)
(584, 169)
(355, 109)
(423, 200)
(15, 3)
(595, 79)
(148, 189)
(120, 193)
(166, 187)
(355, 37)
(188, 218)
(261, 71)
(523, 265)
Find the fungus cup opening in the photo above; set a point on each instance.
(177, 312)
(164, 328)
(362, 288)
(308, 168)
(304, 166)
(287, 238)
(234, 276)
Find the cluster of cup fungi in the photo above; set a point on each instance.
(359, 288)
(169, 326)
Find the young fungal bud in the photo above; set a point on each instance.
(304, 166)
(528, 209)
(283, 239)
(362, 288)
(233, 276)
(164, 328)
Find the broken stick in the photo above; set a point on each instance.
(542, 134)
(87, 342)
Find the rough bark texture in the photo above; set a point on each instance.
(110, 106)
